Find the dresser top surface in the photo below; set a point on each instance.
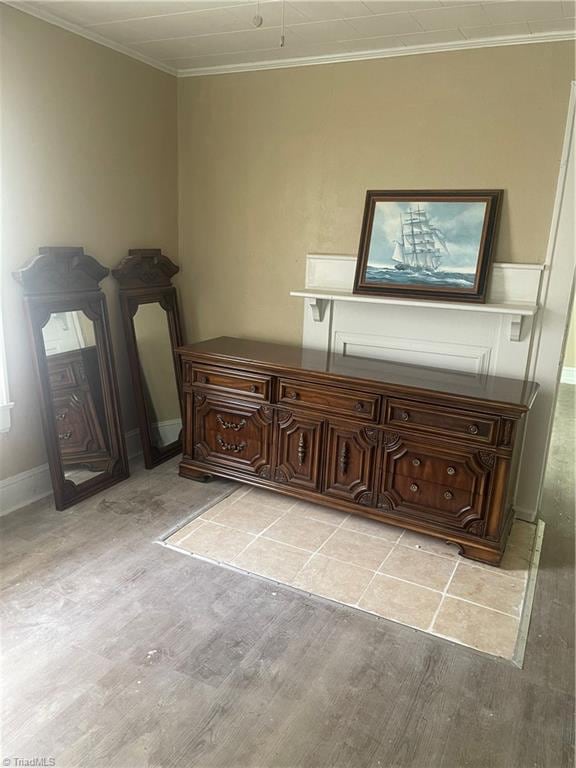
(283, 358)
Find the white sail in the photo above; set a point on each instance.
(398, 254)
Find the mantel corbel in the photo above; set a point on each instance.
(318, 308)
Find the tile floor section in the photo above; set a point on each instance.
(399, 575)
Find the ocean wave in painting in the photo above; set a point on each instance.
(380, 275)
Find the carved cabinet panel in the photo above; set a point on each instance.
(231, 434)
(350, 463)
(431, 482)
(298, 444)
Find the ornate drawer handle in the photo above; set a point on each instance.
(416, 462)
(253, 388)
(61, 416)
(473, 429)
(448, 495)
(230, 424)
(451, 470)
(413, 487)
(404, 415)
(234, 447)
(203, 379)
(65, 436)
(360, 406)
(302, 450)
(291, 395)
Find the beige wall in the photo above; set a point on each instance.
(276, 164)
(89, 154)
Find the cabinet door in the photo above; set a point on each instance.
(350, 463)
(231, 434)
(299, 444)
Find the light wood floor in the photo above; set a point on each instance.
(120, 652)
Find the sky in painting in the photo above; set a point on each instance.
(460, 223)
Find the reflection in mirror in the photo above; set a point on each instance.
(76, 392)
(154, 344)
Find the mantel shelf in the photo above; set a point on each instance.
(318, 299)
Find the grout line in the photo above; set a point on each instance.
(444, 593)
(317, 551)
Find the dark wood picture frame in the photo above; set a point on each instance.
(63, 279)
(419, 290)
(145, 277)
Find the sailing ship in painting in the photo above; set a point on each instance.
(421, 245)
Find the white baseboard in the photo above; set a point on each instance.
(568, 376)
(21, 490)
(528, 515)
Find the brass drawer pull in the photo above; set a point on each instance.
(416, 462)
(61, 416)
(404, 415)
(451, 470)
(202, 379)
(360, 406)
(413, 487)
(233, 447)
(230, 424)
(253, 388)
(473, 429)
(291, 394)
(448, 495)
(65, 436)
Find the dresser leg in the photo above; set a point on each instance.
(472, 552)
(196, 475)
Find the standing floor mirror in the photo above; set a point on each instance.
(68, 323)
(152, 327)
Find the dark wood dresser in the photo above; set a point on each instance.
(430, 450)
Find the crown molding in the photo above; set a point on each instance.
(76, 29)
(339, 58)
(304, 61)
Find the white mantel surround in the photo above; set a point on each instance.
(494, 338)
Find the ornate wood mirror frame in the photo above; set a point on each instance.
(68, 323)
(144, 277)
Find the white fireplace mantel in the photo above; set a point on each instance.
(515, 312)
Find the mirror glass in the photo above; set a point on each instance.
(76, 391)
(154, 345)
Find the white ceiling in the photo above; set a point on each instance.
(190, 37)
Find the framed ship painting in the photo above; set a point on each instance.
(427, 245)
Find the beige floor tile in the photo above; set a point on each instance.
(419, 567)
(216, 541)
(513, 565)
(302, 532)
(397, 600)
(271, 559)
(330, 578)
(271, 499)
(177, 537)
(373, 528)
(493, 590)
(356, 548)
(521, 539)
(428, 544)
(317, 512)
(477, 627)
(246, 515)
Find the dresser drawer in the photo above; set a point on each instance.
(446, 422)
(223, 379)
(328, 399)
(467, 470)
(431, 502)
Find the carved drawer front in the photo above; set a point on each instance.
(227, 380)
(438, 420)
(467, 470)
(299, 445)
(231, 435)
(431, 502)
(77, 425)
(62, 375)
(350, 463)
(329, 399)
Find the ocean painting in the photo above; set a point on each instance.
(427, 244)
